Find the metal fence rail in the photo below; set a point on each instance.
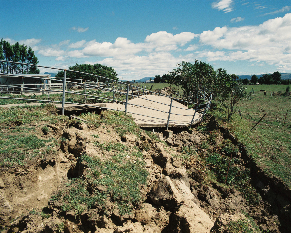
(93, 91)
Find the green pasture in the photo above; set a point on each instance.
(268, 110)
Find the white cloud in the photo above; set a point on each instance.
(212, 37)
(237, 19)
(61, 58)
(50, 52)
(284, 9)
(79, 29)
(76, 54)
(77, 45)
(275, 32)
(266, 42)
(64, 42)
(30, 42)
(136, 67)
(224, 5)
(164, 41)
(121, 47)
(192, 47)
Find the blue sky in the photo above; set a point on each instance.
(144, 38)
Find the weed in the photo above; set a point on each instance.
(153, 136)
(187, 153)
(242, 225)
(44, 215)
(45, 130)
(60, 227)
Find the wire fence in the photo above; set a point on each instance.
(82, 92)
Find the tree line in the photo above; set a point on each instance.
(17, 53)
(274, 78)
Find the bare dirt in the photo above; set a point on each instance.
(178, 197)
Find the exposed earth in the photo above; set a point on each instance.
(180, 193)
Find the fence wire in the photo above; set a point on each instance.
(117, 89)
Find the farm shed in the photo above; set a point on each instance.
(19, 82)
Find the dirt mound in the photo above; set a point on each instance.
(102, 179)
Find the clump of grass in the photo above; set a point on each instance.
(112, 146)
(45, 130)
(15, 149)
(18, 142)
(241, 225)
(121, 122)
(118, 180)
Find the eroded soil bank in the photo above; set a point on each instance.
(102, 179)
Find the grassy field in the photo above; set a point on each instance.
(270, 141)
(158, 86)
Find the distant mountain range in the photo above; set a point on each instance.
(143, 80)
(51, 74)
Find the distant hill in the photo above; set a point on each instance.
(144, 79)
(51, 74)
(286, 75)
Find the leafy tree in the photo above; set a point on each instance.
(276, 77)
(32, 59)
(285, 81)
(254, 79)
(157, 79)
(164, 79)
(1, 57)
(266, 79)
(96, 69)
(245, 81)
(17, 53)
(23, 56)
(201, 77)
(193, 78)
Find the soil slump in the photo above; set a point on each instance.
(179, 196)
